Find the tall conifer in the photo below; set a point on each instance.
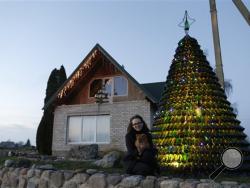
(45, 128)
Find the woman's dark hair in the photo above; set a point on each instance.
(130, 125)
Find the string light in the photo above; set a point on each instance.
(196, 118)
(78, 74)
(198, 111)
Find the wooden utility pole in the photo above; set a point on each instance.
(243, 10)
(216, 39)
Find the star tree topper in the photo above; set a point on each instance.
(186, 22)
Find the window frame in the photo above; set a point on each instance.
(95, 128)
(112, 85)
(113, 89)
(90, 86)
(103, 80)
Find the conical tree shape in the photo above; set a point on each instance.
(45, 128)
(62, 76)
(195, 122)
(52, 84)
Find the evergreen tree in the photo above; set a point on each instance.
(27, 144)
(62, 75)
(45, 128)
(195, 122)
(41, 132)
(52, 85)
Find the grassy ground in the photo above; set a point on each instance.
(69, 165)
(2, 159)
(84, 165)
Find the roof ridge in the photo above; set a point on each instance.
(153, 82)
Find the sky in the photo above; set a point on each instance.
(38, 36)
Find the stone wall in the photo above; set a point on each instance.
(37, 178)
(120, 113)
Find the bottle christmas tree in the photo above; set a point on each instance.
(195, 122)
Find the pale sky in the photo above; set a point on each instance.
(38, 36)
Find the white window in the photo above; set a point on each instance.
(107, 82)
(99, 84)
(120, 86)
(89, 129)
(75, 129)
(116, 86)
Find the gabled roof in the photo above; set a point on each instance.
(83, 68)
(155, 89)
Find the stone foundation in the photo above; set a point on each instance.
(36, 178)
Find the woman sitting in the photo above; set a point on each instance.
(140, 158)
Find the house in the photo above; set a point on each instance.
(80, 120)
(8, 144)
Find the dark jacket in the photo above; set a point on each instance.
(132, 157)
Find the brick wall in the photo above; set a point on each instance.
(120, 113)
